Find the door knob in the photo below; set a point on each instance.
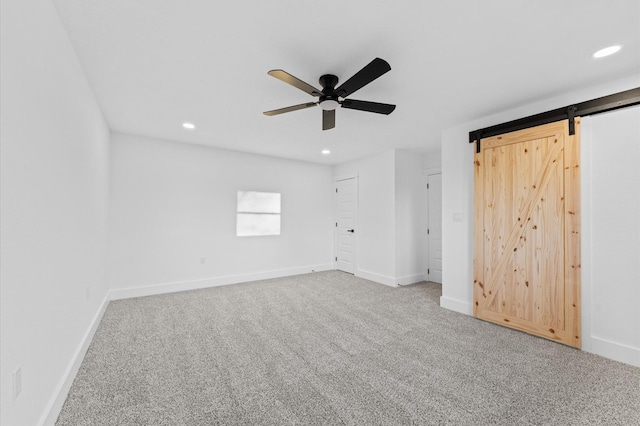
(351, 230)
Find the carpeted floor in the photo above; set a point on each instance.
(330, 349)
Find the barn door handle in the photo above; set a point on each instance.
(351, 230)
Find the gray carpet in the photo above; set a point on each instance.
(330, 349)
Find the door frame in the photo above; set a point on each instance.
(426, 173)
(337, 179)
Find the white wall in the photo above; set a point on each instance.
(391, 213)
(173, 204)
(375, 225)
(610, 145)
(457, 236)
(457, 189)
(410, 217)
(432, 161)
(54, 189)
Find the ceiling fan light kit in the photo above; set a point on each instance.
(329, 104)
(330, 97)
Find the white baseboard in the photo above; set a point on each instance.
(410, 279)
(456, 305)
(390, 281)
(163, 288)
(52, 411)
(615, 351)
(381, 279)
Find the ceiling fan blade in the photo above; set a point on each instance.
(368, 106)
(366, 75)
(328, 119)
(289, 109)
(295, 82)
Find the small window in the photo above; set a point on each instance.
(258, 213)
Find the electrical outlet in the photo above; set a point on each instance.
(17, 383)
(202, 260)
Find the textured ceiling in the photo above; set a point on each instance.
(154, 64)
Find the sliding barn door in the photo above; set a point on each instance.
(527, 223)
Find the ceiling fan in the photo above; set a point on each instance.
(330, 97)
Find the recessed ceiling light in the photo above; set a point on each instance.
(607, 51)
(189, 126)
(326, 152)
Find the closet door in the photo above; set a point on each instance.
(526, 237)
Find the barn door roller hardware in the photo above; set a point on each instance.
(595, 106)
(571, 115)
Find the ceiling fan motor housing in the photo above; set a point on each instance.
(328, 99)
(328, 82)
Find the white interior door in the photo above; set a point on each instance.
(346, 207)
(434, 227)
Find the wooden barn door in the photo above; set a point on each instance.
(526, 237)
